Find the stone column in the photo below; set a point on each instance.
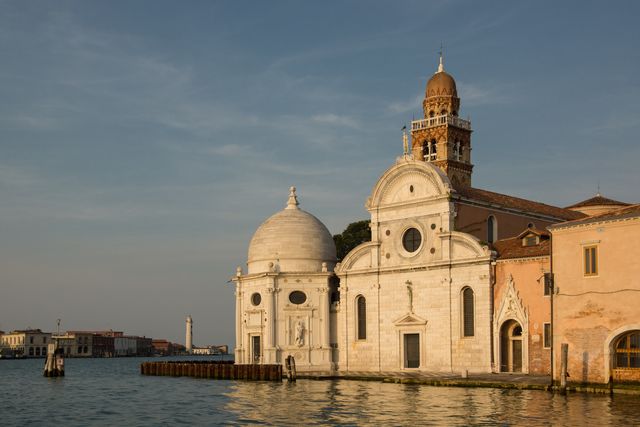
(270, 332)
(326, 316)
(239, 347)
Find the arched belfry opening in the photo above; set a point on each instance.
(441, 105)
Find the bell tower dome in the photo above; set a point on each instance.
(442, 138)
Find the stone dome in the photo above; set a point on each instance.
(291, 240)
(441, 83)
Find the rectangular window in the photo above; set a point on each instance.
(547, 335)
(590, 260)
(547, 284)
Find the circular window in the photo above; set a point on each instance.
(411, 240)
(256, 299)
(411, 188)
(297, 297)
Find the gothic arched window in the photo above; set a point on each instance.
(425, 150)
(492, 229)
(433, 148)
(467, 312)
(361, 317)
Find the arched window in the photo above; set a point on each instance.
(492, 229)
(361, 317)
(628, 351)
(425, 150)
(433, 148)
(467, 312)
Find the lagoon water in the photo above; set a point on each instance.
(112, 392)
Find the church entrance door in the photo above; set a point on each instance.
(511, 347)
(411, 350)
(255, 349)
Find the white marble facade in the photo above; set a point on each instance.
(409, 282)
(283, 302)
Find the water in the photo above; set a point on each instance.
(112, 392)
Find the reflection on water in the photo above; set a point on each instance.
(112, 392)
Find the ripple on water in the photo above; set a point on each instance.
(112, 392)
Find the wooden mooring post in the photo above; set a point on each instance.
(564, 357)
(219, 370)
(54, 365)
(290, 364)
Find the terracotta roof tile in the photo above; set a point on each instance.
(598, 200)
(512, 248)
(518, 203)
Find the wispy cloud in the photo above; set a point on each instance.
(412, 104)
(17, 178)
(615, 123)
(474, 94)
(335, 119)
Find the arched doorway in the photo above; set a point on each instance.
(511, 346)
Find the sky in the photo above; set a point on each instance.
(142, 143)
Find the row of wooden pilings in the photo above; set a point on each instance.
(217, 370)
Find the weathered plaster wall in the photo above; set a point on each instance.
(529, 284)
(590, 311)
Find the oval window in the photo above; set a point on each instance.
(411, 240)
(297, 297)
(256, 299)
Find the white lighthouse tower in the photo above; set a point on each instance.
(188, 342)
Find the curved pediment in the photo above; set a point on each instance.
(360, 258)
(409, 180)
(464, 246)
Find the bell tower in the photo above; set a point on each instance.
(443, 138)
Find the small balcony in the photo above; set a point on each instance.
(445, 119)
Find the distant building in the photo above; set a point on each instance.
(76, 343)
(144, 346)
(130, 345)
(103, 345)
(125, 346)
(27, 342)
(167, 348)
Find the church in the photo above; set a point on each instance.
(420, 295)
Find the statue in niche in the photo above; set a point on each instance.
(410, 294)
(299, 333)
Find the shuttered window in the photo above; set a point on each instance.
(590, 260)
